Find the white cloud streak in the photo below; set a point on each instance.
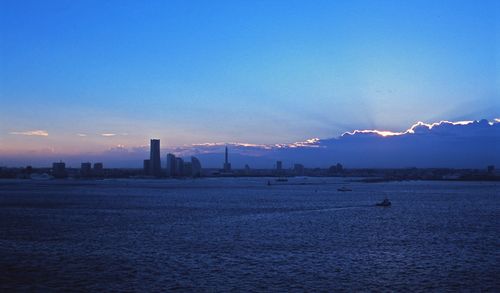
(31, 133)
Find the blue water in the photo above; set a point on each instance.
(240, 234)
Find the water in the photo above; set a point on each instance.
(240, 234)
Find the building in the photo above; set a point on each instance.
(179, 167)
(154, 158)
(336, 169)
(146, 167)
(227, 166)
(195, 167)
(171, 165)
(98, 170)
(298, 169)
(279, 165)
(59, 170)
(86, 169)
(187, 169)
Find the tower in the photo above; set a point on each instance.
(154, 158)
(227, 165)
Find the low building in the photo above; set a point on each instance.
(298, 169)
(146, 167)
(86, 169)
(98, 170)
(59, 170)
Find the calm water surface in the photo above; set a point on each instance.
(240, 234)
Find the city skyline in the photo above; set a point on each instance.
(459, 144)
(83, 77)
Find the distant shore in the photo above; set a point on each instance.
(367, 175)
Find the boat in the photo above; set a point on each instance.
(385, 203)
(42, 176)
(281, 180)
(344, 189)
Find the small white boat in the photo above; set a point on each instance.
(385, 203)
(43, 176)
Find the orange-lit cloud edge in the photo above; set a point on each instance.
(411, 130)
(313, 142)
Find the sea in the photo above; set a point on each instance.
(248, 235)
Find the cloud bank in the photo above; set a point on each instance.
(461, 144)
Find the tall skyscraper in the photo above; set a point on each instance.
(195, 167)
(154, 158)
(227, 165)
(171, 165)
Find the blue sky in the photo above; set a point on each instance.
(239, 71)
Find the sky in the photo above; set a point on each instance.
(87, 76)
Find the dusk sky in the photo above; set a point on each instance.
(85, 76)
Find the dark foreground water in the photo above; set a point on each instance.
(239, 234)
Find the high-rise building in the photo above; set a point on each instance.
(195, 167)
(154, 158)
(227, 165)
(171, 165)
(279, 165)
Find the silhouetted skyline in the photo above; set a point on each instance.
(468, 144)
